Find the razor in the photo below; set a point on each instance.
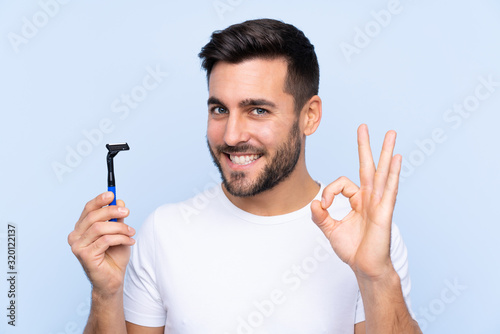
(113, 150)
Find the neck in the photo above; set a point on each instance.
(292, 194)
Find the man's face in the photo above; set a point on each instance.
(253, 132)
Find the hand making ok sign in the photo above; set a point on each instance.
(362, 238)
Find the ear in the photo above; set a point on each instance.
(311, 115)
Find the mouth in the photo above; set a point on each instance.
(243, 159)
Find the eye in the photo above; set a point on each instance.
(259, 111)
(219, 110)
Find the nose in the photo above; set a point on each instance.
(236, 130)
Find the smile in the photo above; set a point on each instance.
(243, 159)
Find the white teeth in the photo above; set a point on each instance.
(243, 159)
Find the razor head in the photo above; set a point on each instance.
(113, 150)
(117, 147)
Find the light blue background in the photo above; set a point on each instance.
(64, 80)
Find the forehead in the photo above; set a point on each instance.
(254, 78)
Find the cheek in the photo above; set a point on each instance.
(215, 132)
(266, 136)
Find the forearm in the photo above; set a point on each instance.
(106, 314)
(385, 307)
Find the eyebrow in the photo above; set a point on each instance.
(244, 103)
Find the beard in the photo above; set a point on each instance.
(281, 165)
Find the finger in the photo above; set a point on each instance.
(96, 203)
(366, 164)
(101, 215)
(384, 163)
(319, 214)
(100, 229)
(120, 203)
(341, 185)
(321, 217)
(103, 243)
(391, 189)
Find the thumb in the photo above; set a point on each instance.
(319, 215)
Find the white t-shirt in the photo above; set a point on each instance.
(206, 266)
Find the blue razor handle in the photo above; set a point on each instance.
(113, 189)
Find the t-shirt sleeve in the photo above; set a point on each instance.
(360, 311)
(141, 298)
(399, 258)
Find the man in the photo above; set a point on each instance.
(250, 260)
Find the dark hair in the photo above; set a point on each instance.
(267, 38)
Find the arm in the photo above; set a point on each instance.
(106, 314)
(362, 238)
(380, 299)
(385, 307)
(360, 328)
(136, 329)
(104, 318)
(103, 249)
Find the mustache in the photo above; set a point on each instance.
(243, 148)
